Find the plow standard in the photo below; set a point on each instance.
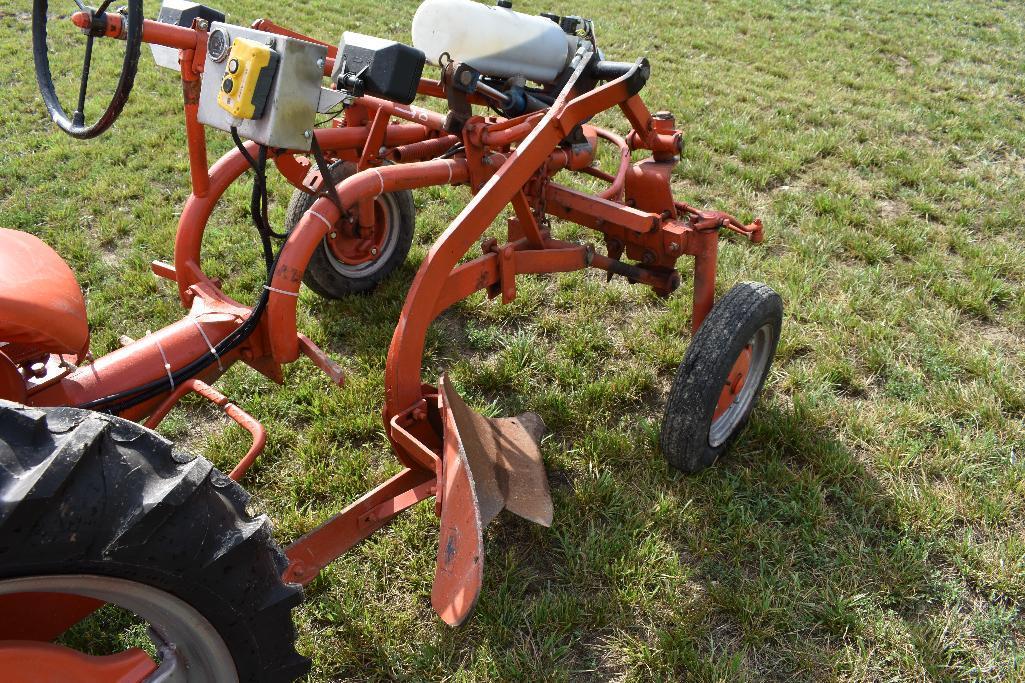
(97, 509)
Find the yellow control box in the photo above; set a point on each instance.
(248, 76)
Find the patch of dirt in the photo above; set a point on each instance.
(109, 257)
(1000, 336)
(204, 421)
(890, 209)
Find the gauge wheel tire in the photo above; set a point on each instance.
(88, 495)
(333, 279)
(721, 377)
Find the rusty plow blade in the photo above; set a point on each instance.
(489, 464)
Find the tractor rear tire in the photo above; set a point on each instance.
(701, 419)
(88, 495)
(332, 278)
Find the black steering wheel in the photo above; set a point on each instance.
(131, 32)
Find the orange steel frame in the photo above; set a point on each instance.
(506, 162)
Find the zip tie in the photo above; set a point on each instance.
(280, 291)
(208, 344)
(323, 220)
(381, 179)
(167, 366)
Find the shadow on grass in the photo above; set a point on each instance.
(790, 557)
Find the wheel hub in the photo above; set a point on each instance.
(183, 638)
(352, 245)
(734, 382)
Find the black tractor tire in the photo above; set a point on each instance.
(692, 438)
(83, 493)
(331, 279)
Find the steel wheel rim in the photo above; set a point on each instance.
(358, 270)
(191, 648)
(723, 427)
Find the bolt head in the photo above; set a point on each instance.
(320, 64)
(373, 251)
(307, 134)
(333, 235)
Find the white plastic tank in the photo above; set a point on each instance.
(493, 40)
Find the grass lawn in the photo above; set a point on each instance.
(869, 523)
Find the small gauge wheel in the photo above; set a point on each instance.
(348, 261)
(721, 377)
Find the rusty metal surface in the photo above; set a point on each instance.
(488, 465)
(519, 468)
(459, 574)
(503, 458)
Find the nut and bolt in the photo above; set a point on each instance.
(333, 235)
(320, 64)
(307, 134)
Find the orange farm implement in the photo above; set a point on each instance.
(96, 508)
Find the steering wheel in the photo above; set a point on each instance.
(100, 25)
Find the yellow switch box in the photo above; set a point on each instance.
(248, 75)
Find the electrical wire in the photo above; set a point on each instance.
(129, 398)
(454, 150)
(331, 115)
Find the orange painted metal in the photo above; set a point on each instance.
(459, 571)
(706, 251)
(41, 305)
(314, 551)
(270, 27)
(29, 661)
(42, 616)
(330, 368)
(213, 317)
(503, 162)
(194, 131)
(419, 151)
(403, 372)
(168, 35)
(355, 242)
(239, 416)
(734, 382)
(311, 229)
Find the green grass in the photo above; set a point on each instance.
(869, 523)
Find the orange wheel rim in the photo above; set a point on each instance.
(734, 382)
(348, 246)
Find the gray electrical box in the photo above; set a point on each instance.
(290, 113)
